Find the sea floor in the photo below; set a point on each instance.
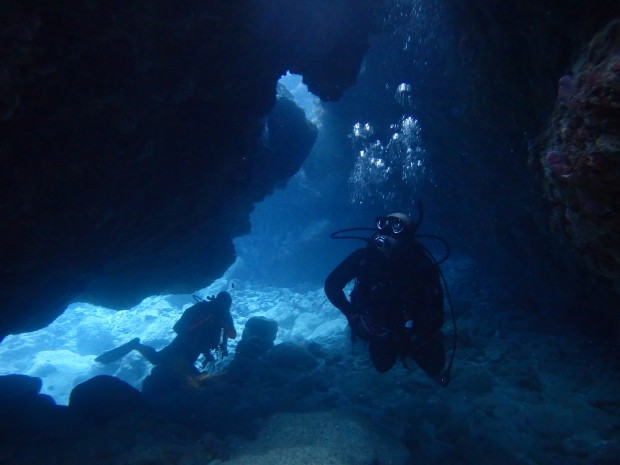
(525, 390)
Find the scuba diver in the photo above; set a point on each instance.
(397, 301)
(203, 328)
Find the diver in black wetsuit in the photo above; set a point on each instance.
(397, 301)
(202, 328)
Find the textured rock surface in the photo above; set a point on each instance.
(130, 150)
(580, 157)
(104, 398)
(499, 64)
(322, 437)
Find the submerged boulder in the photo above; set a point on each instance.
(24, 411)
(13, 387)
(104, 398)
(258, 337)
(291, 356)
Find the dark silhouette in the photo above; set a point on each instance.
(396, 304)
(203, 328)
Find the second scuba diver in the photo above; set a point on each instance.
(204, 327)
(396, 304)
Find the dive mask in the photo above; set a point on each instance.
(390, 225)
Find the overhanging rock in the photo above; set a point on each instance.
(130, 136)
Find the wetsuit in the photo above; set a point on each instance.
(202, 328)
(396, 305)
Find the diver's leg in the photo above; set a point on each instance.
(382, 354)
(428, 352)
(150, 354)
(118, 352)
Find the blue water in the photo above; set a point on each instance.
(528, 387)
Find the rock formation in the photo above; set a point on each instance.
(130, 138)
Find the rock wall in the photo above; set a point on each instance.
(130, 136)
(578, 158)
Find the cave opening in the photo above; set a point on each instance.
(298, 91)
(454, 108)
(62, 354)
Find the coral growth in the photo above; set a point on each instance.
(580, 158)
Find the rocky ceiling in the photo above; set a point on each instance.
(130, 150)
(130, 133)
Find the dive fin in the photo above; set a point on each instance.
(118, 352)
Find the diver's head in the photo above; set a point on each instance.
(224, 300)
(393, 230)
(395, 225)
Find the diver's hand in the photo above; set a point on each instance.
(223, 350)
(208, 358)
(353, 319)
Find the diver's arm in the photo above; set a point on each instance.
(229, 327)
(338, 279)
(223, 347)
